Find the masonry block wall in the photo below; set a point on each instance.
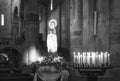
(5, 8)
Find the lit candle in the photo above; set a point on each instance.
(84, 58)
(88, 58)
(105, 58)
(101, 57)
(108, 59)
(74, 57)
(79, 58)
(97, 58)
(93, 58)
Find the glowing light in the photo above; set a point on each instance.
(26, 57)
(2, 19)
(34, 54)
(31, 55)
(52, 42)
(52, 37)
(92, 58)
(40, 59)
(52, 23)
(57, 59)
(51, 7)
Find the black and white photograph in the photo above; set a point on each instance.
(59, 40)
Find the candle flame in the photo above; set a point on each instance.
(92, 59)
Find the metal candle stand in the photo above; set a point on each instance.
(92, 64)
(92, 71)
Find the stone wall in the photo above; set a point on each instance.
(108, 34)
(75, 27)
(5, 8)
(76, 43)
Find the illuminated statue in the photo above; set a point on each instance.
(52, 37)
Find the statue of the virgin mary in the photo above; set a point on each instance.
(52, 37)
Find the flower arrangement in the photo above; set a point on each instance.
(50, 63)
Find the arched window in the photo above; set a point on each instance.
(2, 20)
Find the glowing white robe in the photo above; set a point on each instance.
(52, 42)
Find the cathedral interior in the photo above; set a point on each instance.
(36, 34)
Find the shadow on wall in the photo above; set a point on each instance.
(64, 52)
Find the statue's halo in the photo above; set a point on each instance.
(51, 23)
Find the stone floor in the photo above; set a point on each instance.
(15, 77)
(110, 75)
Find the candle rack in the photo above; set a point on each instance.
(92, 64)
(92, 71)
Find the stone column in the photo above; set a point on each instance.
(89, 39)
(102, 39)
(85, 23)
(75, 26)
(115, 33)
(65, 24)
(42, 21)
(32, 22)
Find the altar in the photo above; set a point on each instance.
(51, 76)
(51, 67)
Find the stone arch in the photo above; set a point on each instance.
(15, 15)
(15, 26)
(14, 56)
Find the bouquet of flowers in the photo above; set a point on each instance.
(50, 63)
